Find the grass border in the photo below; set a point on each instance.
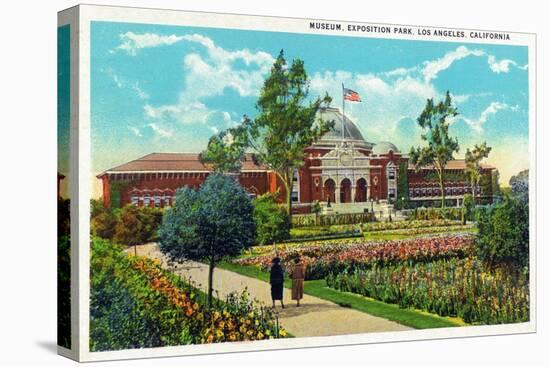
(414, 318)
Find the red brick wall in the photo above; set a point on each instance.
(256, 182)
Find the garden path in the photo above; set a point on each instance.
(314, 317)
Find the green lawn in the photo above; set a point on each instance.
(410, 317)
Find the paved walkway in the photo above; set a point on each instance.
(314, 317)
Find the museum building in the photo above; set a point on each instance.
(342, 169)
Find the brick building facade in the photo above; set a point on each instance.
(342, 169)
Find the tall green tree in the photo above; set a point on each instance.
(209, 224)
(473, 164)
(402, 199)
(440, 147)
(519, 184)
(224, 152)
(286, 124)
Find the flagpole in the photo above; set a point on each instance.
(343, 111)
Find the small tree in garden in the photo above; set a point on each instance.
(209, 224)
(473, 164)
(272, 221)
(316, 209)
(468, 205)
(434, 119)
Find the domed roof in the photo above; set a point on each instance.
(344, 128)
(384, 147)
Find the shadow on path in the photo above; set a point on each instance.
(291, 310)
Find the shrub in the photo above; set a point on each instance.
(150, 219)
(128, 230)
(272, 220)
(103, 224)
(134, 225)
(503, 236)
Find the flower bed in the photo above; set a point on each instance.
(337, 256)
(308, 220)
(328, 232)
(425, 230)
(409, 224)
(137, 304)
(449, 287)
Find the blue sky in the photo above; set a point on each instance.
(158, 88)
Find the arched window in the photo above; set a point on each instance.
(328, 190)
(361, 191)
(134, 197)
(146, 200)
(345, 191)
(167, 197)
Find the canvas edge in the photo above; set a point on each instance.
(70, 17)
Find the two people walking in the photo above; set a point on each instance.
(277, 279)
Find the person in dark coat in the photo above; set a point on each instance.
(277, 279)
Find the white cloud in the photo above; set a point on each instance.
(136, 131)
(211, 75)
(131, 42)
(433, 68)
(140, 92)
(221, 55)
(163, 133)
(208, 75)
(502, 66)
(122, 83)
(114, 77)
(492, 109)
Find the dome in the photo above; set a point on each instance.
(344, 128)
(384, 147)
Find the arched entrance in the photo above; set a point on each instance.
(328, 190)
(345, 191)
(361, 191)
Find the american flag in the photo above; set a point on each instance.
(351, 95)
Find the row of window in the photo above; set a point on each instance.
(155, 200)
(161, 200)
(435, 191)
